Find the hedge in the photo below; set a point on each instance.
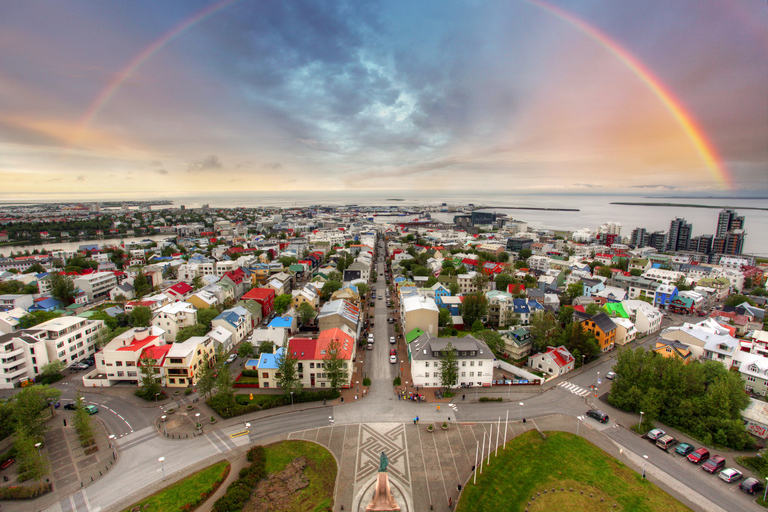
(243, 405)
(26, 492)
(250, 373)
(491, 399)
(239, 491)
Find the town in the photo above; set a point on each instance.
(248, 309)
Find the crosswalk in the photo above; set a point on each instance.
(573, 388)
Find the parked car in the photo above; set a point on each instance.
(71, 406)
(751, 486)
(231, 358)
(655, 434)
(55, 404)
(75, 367)
(392, 352)
(91, 409)
(698, 456)
(391, 320)
(393, 359)
(370, 345)
(684, 449)
(7, 463)
(610, 375)
(392, 339)
(83, 365)
(713, 464)
(730, 475)
(598, 415)
(666, 442)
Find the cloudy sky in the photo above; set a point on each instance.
(192, 96)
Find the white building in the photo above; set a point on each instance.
(474, 358)
(419, 312)
(97, 285)
(555, 361)
(174, 317)
(118, 361)
(22, 357)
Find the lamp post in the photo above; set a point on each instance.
(521, 410)
(199, 425)
(38, 445)
(645, 459)
(641, 421)
(291, 400)
(111, 443)
(583, 356)
(578, 424)
(164, 417)
(765, 494)
(162, 467)
(156, 395)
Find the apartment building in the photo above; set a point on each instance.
(97, 285)
(174, 317)
(183, 360)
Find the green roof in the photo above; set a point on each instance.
(616, 309)
(413, 335)
(296, 267)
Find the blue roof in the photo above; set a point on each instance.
(268, 361)
(45, 304)
(282, 321)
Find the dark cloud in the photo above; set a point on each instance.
(209, 163)
(161, 171)
(273, 165)
(80, 178)
(654, 187)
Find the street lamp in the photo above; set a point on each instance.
(38, 445)
(163, 417)
(291, 400)
(765, 494)
(199, 425)
(645, 459)
(521, 410)
(162, 468)
(247, 426)
(641, 421)
(580, 418)
(582, 359)
(156, 395)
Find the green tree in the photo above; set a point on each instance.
(205, 316)
(224, 380)
(287, 372)
(444, 318)
(191, 331)
(363, 289)
(592, 309)
(636, 272)
(449, 366)
(503, 257)
(197, 282)
(53, 368)
(454, 289)
(33, 465)
(35, 268)
(573, 290)
(282, 303)
(30, 408)
(149, 378)
(306, 313)
(36, 317)
(204, 376)
(266, 347)
(493, 339)
(474, 307)
(245, 350)
(141, 316)
(329, 287)
(477, 326)
(542, 328)
(524, 254)
(503, 281)
(605, 271)
(62, 288)
(82, 422)
(431, 281)
(735, 300)
(334, 365)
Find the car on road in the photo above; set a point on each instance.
(391, 320)
(83, 365)
(684, 449)
(373, 295)
(393, 359)
(730, 475)
(654, 434)
(75, 367)
(380, 297)
(91, 409)
(393, 352)
(751, 486)
(71, 406)
(598, 415)
(55, 404)
(698, 456)
(610, 375)
(714, 464)
(392, 340)
(231, 358)
(666, 442)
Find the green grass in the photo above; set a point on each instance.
(531, 464)
(321, 472)
(247, 380)
(189, 490)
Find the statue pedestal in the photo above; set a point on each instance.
(382, 500)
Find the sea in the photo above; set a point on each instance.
(593, 209)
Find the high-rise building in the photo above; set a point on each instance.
(612, 228)
(679, 235)
(734, 241)
(639, 238)
(727, 221)
(701, 244)
(658, 240)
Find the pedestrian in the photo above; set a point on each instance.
(463, 397)
(473, 467)
(450, 502)
(414, 421)
(438, 408)
(417, 420)
(459, 487)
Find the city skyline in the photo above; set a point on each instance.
(528, 95)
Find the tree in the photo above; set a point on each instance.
(282, 303)
(334, 364)
(266, 347)
(503, 281)
(53, 368)
(287, 372)
(574, 290)
(62, 288)
(363, 289)
(197, 282)
(592, 309)
(141, 285)
(474, 307)
(33, 465)
(524, 254)
(205, 380)
(36, 317)
(477, 326)
(444, 318)
(509, 318)
(35, 268)
(454, 289)
(191, 331)
(503, 257)
(206, 316)
(149, 380)
(245, 350)
(329, 288)
(493, 339)
(542, 328)
(141, 316)
(30, 408)
(735, 300)
(224, 381)
(82, 421)
(306, 313)
(431, 281)
(335, 275)
(449, 366)
(605, 271)
(636, 272)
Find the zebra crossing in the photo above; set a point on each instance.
(573, 388)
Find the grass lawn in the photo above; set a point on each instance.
(189, 490)
(531, 464)
(321, 472)
(247, 380)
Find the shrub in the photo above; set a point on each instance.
(491, 399)
(251, 373)
(187, 391)
(49, 379)
(239, 491)
(395, 382)
(367, 382)
(243, 405)
(26, 492)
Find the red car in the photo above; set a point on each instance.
(392, 352)
(714, 464)
(699, 455)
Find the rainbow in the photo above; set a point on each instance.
(686, 121)
(140, 59)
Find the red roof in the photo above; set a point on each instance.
(515, 288)
(259, 294)
(346, 342)
(157, 352)
(560, 355)
(302, 348)
(579, 308)
(181, 288)
(138, 344)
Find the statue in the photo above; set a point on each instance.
(383, 462)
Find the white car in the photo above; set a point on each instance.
(392, 340)
(393, 359)
(730, 475)
(610, 375)
(231, 358)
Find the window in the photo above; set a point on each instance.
(311, 365)
(463, 363)
(118, 363)
(471, 363)
(479, 363)
(265, 375)
(426, 364)
(471, 374)
(463, 374)
(426, 374)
